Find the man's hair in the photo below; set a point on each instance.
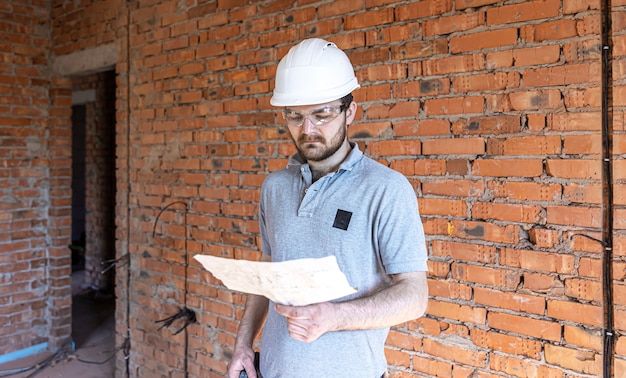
(347, 99)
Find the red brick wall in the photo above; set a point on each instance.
(491, 109)
(35, 176)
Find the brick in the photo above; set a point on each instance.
(454, 105)
(561, 75)
(620, 324)
(506, 343)
(543, 238)
(404, 341)
(485, 275)
(527, 11)
(458, 167)
(619, 169)
(583, 289)
(536, 55)
(585, 362)
(534, 100)
(419, 49)
(541, 282)
(432, 367)
(555, 30)
(471, 356)
(582, 337)
(575, 312)
(396, 110)
(375, 92)
(507, 212)
(369, 130)
(222, 63)
(424, 8)
(438, 206)
(430, 167)
(510, 300)
(464, 4)
(393, 33)
(450, 290)
(525, 146)
(582, 144)
(538, 261)
(455, 23)
(454, 64)
(487, 125)
(371, 18)
(486, 82)
(385, 73)
(438, 269)
(406, 167)
(398, 357)
(483, 40)
(619, 223)
(575, 121)
(394, 147)
(526, 191)
(536, 328)
(464, 251)
(456, 146)
(507, 167)
(421, 88)
(574, 216)
(457, 312)
(453, 188)
(369, 55)
(499, 59)
(522, 367)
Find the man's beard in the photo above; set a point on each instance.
(321, 153)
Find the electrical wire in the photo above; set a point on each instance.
(128, 184)
(57, 356)
(608, 333)
(185, 313)
(124, 345)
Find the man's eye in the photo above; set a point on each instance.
(324, 115)
(293, 116)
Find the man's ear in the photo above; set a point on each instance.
(351, 112)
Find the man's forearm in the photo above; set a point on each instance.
(404, 300)
(252, 320)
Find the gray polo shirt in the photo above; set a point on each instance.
(366, 215)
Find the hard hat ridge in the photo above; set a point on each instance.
(313, 72)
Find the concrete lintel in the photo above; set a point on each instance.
(83, 97)
(97, 59)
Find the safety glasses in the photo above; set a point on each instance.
(318, 117)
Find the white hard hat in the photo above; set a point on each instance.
(313, 72)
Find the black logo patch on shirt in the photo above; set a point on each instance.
(342, 219)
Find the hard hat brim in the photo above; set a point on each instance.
(313, 97)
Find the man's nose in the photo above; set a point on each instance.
(308, 126)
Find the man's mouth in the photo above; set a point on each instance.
(310, 140)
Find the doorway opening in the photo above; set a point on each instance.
(93, 214)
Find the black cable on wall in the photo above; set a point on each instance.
(608, 333)
(188, 315)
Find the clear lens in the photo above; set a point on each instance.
(317, 117)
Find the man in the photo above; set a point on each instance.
(332, 200)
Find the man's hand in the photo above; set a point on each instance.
(308, 323)
(243, 359)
